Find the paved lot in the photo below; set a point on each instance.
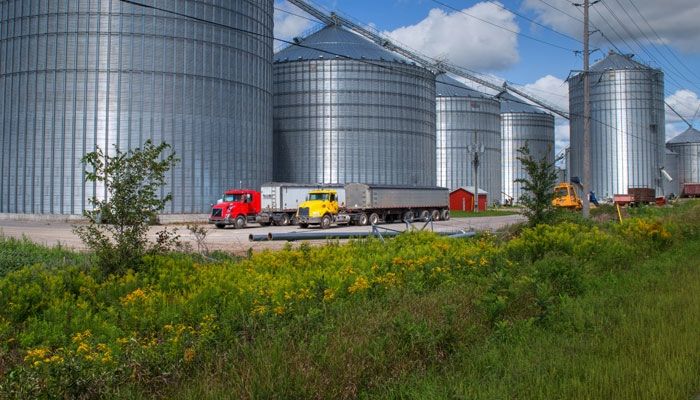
(233, 240)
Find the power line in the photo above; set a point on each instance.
(534, 22)
(383, 66)
(668, 48)
(503, 27)
(297, 15)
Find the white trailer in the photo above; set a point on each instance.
(279, 201)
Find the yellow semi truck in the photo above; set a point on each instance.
(363, 204)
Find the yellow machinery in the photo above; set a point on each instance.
(321, 207)
(565, 196)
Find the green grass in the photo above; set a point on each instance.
(572, 311)
(487, 213)
(17, 253)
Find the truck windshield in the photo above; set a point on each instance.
(318, 196)
(236, 198)
(561, 192)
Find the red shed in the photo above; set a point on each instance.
(462, 199)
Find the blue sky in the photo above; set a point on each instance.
(663, 34)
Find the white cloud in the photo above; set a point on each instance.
(685, 102)
(463, 40)
(554, 91)
(674, 129)
(675, 22)
(288, 26)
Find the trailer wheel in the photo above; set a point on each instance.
(268, 223)
(220, 226)
(424, 216)
(363, 220)
(435, 215)
(326, 222)
(445, 215)
(407, 216)
(240, 222)
(374, 219)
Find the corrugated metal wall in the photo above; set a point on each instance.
(672, 167)
(517, 129)
(75, 74)
(339, 121)
(627, 129)
(457, 118)
(688, 162)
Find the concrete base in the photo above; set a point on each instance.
(163, 218)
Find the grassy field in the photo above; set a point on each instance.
(573, 310)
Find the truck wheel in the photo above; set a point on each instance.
(326, 222)
(373, 219)
(425, 216)
(435, 215)
(303, 225)
(283, 220)
(363, 220)
(240, 222)
(268, 223)
(445, 215)
(407, 216)
(220, 226)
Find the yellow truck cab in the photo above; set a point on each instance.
(320, 208)
(565, 196)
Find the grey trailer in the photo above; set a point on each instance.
(372, 203)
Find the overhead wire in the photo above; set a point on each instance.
(502, 27)
(376, 64)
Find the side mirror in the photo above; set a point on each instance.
(219, 201)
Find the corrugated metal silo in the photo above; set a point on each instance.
(76, 74)
(687, 145)
(363, 115)
(627, 125)
(522, 124)
(672, 167)
(460, 113)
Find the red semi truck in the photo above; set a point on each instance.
(237, 208)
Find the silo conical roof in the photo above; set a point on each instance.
(614, 61)
(691, 135)
(512, 104)
(334, 40)
(446, 86)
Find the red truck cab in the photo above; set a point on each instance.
(237, 208)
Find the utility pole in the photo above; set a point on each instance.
(475, 164)
(586, 115)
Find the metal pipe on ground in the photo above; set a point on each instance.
(293, 236)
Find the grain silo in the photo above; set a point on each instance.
(76, 74)
(672, 167)
(627, 125)
(687, 145)
(347, 110)
(522, 124)
(462, 114)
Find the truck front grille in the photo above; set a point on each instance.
(303, 211)
(216, 212)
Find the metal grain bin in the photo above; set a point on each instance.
(627, 125)
(364, 115)
(76, 74)
(522, 124)
(460, 113)
(687, 145)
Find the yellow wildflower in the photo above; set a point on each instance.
(136, 295)
(81, 336)
(360, 284)
(189, 354)
(328, 294)
(279, 310)
(259, 310)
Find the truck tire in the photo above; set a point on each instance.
(283, 220)
(424, 216)
(240, 222)
(407, 216)
(268, 223)
(220, 226)
(445, 215)
(373, 219)
(303, 225)
(435, 215)
(326, 222)
(363, 220)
